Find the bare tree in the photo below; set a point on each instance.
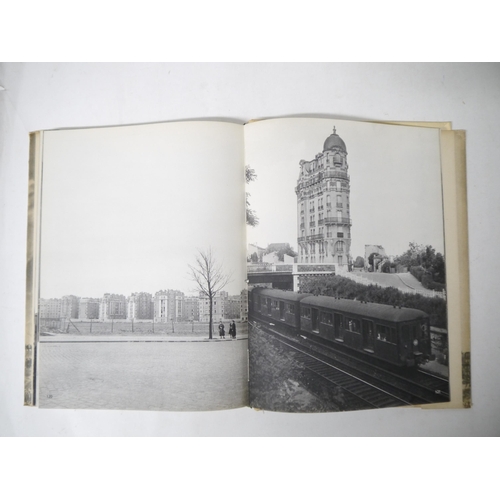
(210, 278)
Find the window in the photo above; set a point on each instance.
(305, 312)
(326, 318)
(386, 334)
(340, 235)
(353, 325)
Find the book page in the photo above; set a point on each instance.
(348, 305)
(142, 228)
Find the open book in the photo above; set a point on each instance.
(289, 264)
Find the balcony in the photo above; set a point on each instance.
(321, 221)
(312, 237)
(312, 224)
(335, 174)
(339, 205)
(337, 220)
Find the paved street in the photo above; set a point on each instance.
(142, 375)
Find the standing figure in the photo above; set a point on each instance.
(222, 333)
(232, 330)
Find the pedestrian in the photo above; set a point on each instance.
(222, 333)
(232, 330)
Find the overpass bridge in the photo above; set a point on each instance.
(285, 276)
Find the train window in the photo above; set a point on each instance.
(290, 308)
(305, 312)
(326, 318)
(353, 325)
(386, 334)
(424, 329)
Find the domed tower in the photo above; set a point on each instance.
(323, 210)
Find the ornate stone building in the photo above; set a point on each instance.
(323, 210)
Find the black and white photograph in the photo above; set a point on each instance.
(346, 266)
(132, 185)
(142, 293)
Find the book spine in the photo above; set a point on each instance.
(32, 260)
(457, 257)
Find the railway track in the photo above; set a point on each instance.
(377, 387)
(423, 386)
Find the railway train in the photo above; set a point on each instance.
(399, 336)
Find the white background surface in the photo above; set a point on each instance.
(46, 96)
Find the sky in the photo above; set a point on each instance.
(125, 209)
(395, 173)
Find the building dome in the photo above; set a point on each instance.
(334, 141)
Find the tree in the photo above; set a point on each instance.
(250, 176)
(281, 250)
(359, 262)
(425, 264)
(210, 278)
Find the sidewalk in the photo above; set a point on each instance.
(64, 337)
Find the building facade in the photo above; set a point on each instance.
(89, 308)
(70, 305)
(244, 305)
(140, 306)
(218, 310)
(50, 309)
(323, 206)
(113, 307)
(232, 307)
(168, 306)
(191, 311)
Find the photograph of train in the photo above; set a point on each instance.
(349, 310)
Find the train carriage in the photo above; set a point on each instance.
(400, 336)
(277, 306)
(397, 335)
